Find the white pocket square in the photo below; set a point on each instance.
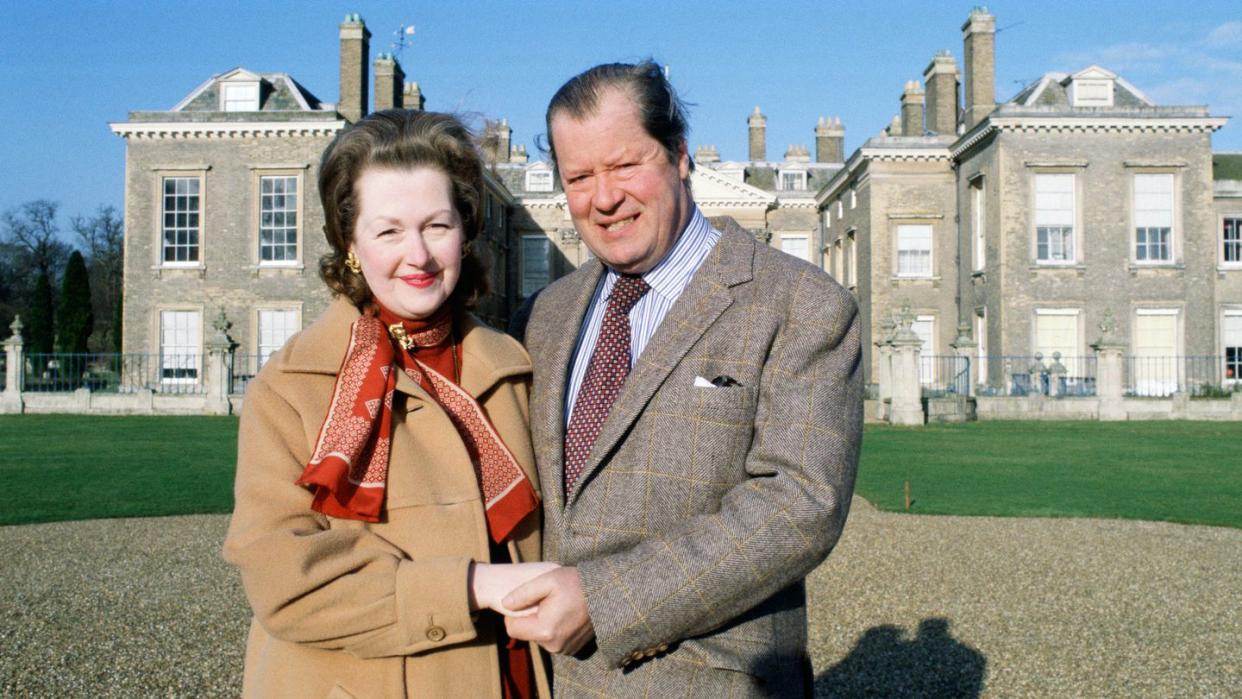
(703, 383)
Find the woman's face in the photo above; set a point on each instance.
(408, 237)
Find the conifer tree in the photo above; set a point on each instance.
(39, 330)
(75, 319)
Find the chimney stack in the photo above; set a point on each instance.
(797, 153)
(496, 141)
(979, 36)
(355, 46)
(912, 109)
(517, 154)
(758, 139)
(706, 154)
(829, 141)
(413, 98)
(389, 79)
(942, 105)
(894, 126)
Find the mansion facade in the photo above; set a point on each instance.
(1009, 228)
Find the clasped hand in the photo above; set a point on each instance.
(542, 603)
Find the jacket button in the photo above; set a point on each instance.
(435, 634)
(662, 647)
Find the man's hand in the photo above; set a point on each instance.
(561, 623)
(491, 582)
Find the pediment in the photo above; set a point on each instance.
(711, 187)
(1094, 72)
(239, 75)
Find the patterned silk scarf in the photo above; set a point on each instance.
(349, 467)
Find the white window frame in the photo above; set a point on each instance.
(293, 320)
(1236, 365)
(851, 258)
(248, 101)
(978, 214)
(840, 209)
(853, 197)
(930, 261)
(192, 225)
(927, 349)
(837, 257)
(262, 198)
(798, 175)
(1091, 92)
(981, 344)
(1225, 244)
(1054, 221)
(185, 354)
(1177, 368)
(528, 287)
(1071, 361)
(542, 186)
(1141, 220)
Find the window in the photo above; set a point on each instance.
(534, 263)
(978, 220)
(1231, 241)
(180, 346)
(276, 326)
(1056, 330)
(1155, 359)
(925, 328)
(278, 220)
(1092, 93)
(840, 209)
(796, 245)
(1231, 340)
(828, 217)
(1054, 218)
(836, 262)
(239, 97)
(914, 250)
(851, 260)
(981, 341)
(1153, 217)
(539, 180)
(181, 224)
(853, 198)
(793, 180)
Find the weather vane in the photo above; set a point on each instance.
(399, 44)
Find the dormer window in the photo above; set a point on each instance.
(793, 180)
(539, 180)
(1092, 87)
(239, 97)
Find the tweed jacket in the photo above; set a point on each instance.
(344, 608)
(701, 510)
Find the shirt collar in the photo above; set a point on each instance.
(670, 276)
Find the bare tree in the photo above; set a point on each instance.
(32, 228)
(102, 236)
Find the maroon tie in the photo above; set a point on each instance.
(606, 372)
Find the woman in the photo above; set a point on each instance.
(384, 457)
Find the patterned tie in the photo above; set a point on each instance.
(606, 372)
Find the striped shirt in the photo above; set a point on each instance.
(667, 280)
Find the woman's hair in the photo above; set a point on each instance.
(399, 139)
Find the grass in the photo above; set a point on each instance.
(1166, 471)
(68, 467)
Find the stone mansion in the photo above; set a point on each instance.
(1007, 228)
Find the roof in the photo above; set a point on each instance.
(278, 92)
(1227, 166)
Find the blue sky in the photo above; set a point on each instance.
(69, 68)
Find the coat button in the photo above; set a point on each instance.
(435, 634)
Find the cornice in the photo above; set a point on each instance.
(1092, 124)
(222, 130)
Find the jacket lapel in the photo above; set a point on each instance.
(566, 308)
(705, 298)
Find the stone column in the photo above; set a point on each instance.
(965, 348)
(1035, 372)
(884, 368)
(1109, 384)
(11, 400)
(1056, 373)
(219, 353)
(907, 406)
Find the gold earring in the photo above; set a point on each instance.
(351, 261)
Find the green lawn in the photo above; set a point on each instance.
(1173, 471)
(64, 467)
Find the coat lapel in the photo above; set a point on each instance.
(565, 308)
(705, 298)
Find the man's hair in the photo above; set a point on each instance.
(660, 110)
(400, 139)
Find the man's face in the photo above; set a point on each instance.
(628, 202)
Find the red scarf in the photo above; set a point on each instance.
(349, 467)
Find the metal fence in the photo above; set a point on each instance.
(1201, 376)
(942, 375)
(114, 373)
(244, 368)
(1024, 375)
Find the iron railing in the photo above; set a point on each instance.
(1024, 375)
(114, 373)
(244, 368)
(942, 375)
(1201, 376)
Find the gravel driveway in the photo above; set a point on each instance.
(906, 606)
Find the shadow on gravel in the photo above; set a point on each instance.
(886, 663)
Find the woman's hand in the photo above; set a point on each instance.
(488, 583)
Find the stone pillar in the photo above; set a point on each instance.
(907, 406)
(355, 45)
(979, 39)
(940, 77)
(758, 127)
(1056, 373)
(1035, 372)
(964, 347)
(884, 368)
(912, 99)
(219, 354)
(829, 141)
(11, 399)
(1108, 380)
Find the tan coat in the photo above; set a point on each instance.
(350, 609)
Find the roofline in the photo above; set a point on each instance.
(1086, 122)
(228, 129)
(855, 160)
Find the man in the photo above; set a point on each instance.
(696, 412)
